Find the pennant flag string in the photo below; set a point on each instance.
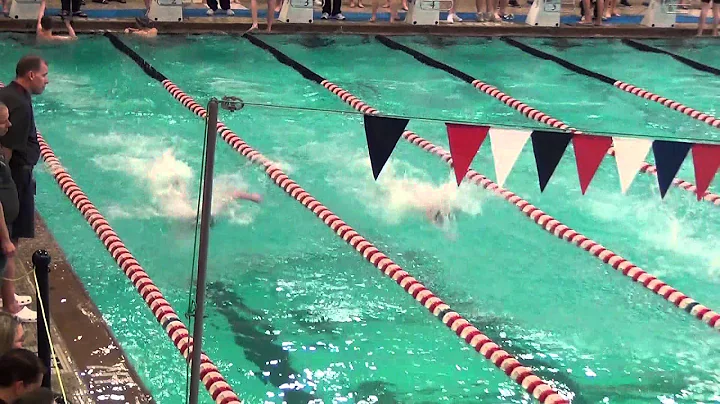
(466, 138)
(461, 122)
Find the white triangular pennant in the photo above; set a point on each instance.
(506, 145)
(630, 153)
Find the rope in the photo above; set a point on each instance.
(214, 382)
(219, 389)
(549, 223)
(47, 327)
(463, 328)
(707, 118)
(19, 278)
(539, 116)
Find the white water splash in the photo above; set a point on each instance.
(170, 182)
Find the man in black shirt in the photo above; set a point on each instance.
(21, 149)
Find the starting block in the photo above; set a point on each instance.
(166, 10)
(24, 9)
(545, 13)
(426, 12)
(297, 11)
(661, 13)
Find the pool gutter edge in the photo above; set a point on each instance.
(97, 357)
(203, 26)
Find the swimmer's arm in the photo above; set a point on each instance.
(41, 13)
(246, 196)
(70, 29)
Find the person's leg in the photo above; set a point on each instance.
(375, 6)
(254, 14)
(600, 11)
(491, 6)
(270, 14)
(703, 16)
(7, 289)
(326, 7)
(225, 4)
(213, 5)
(587, 7)
(480, 7)
(336, 5)
(716, 18)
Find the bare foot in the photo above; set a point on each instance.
(360, 5)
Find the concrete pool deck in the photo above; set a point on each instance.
(116, 16)
(93, 367)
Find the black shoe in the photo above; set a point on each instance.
(80, 14)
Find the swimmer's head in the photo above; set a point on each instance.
(46, 23)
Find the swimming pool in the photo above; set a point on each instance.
(284, 288)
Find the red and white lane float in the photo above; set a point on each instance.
(481, 343)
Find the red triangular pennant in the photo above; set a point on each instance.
(589, 153)
(465, 141)
(706, 158)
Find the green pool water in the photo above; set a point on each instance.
(291, 306)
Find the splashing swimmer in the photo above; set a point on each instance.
(184, 209)
(440, 215)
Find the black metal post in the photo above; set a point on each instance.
(205, 218)
(41, 262)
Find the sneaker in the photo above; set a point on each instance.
(339, 17)
(210, 12)
(21, 300)
(229, 12)
(80, 14)
(453, 17)
(25, 315)
(324, 16)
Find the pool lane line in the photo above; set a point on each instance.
(527, 110)
(522, 375)
(220, 391)
(682, 59)
(627, 87)
(547, 222)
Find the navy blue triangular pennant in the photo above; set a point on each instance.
(382, 135)
(669, 156)
(548, 148)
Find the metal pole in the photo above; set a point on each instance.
(41, 262)
(203, 250)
